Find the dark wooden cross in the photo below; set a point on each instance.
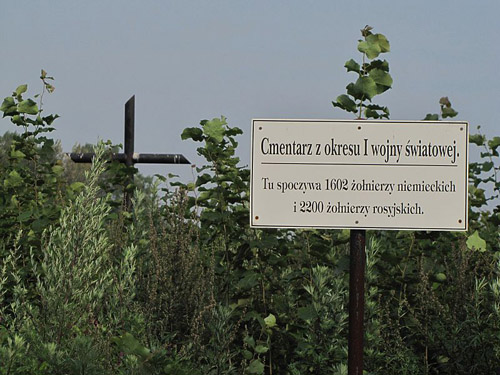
(129, 157)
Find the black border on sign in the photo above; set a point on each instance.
(365, 122)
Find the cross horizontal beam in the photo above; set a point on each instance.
(129, 157)
(136, 158)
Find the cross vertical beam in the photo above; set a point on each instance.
(129, 147)
(356, 301)
(129, 131)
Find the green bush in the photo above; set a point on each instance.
(182, 285)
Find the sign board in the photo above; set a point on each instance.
(359, 174)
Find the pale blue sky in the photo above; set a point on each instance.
(190, 60)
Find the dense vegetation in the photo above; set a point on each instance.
(182, 284)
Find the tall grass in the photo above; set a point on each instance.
(62, 316)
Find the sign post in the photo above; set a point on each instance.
(359, 175)
(357, 265)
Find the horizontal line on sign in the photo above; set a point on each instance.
(361, 164)
(291, 226)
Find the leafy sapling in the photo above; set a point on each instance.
(373, 78)
(446, 111)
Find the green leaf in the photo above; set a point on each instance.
(130, 345)
(17, 154)
(351, 91)
(230, 132)
(448, 112)
(443, 359)
(487, 166)
(436, 286)
(13, 180)
(378, 64)
(40, 224)
(255, 367)
(352, 66)
(27, 106)
(373, 45)
(307, 313)
(371, 113)
(49, 87)
(382, 42)
(203, 179)
(8, 106)
(382, 79)
(270, 321)
(494, 143)
(372, 50)
(249, 280)
(243, 302)
(474, 242)
(261, 349)
(477, 196)
(431, 117)
(477, 139)
(378, 108)
(247, 354)
(215, 129)
(345, 103)
(365, 31)
(50, 119)
(444, 101)
(440, 277)
(18, 120)
(21, 89)
(196, 134)
(364, 88)
(77, 186)
(24, 216)
(57, 170)
(250, 341)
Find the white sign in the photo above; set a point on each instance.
(359, 174)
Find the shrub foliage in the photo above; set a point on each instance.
(182, 284)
